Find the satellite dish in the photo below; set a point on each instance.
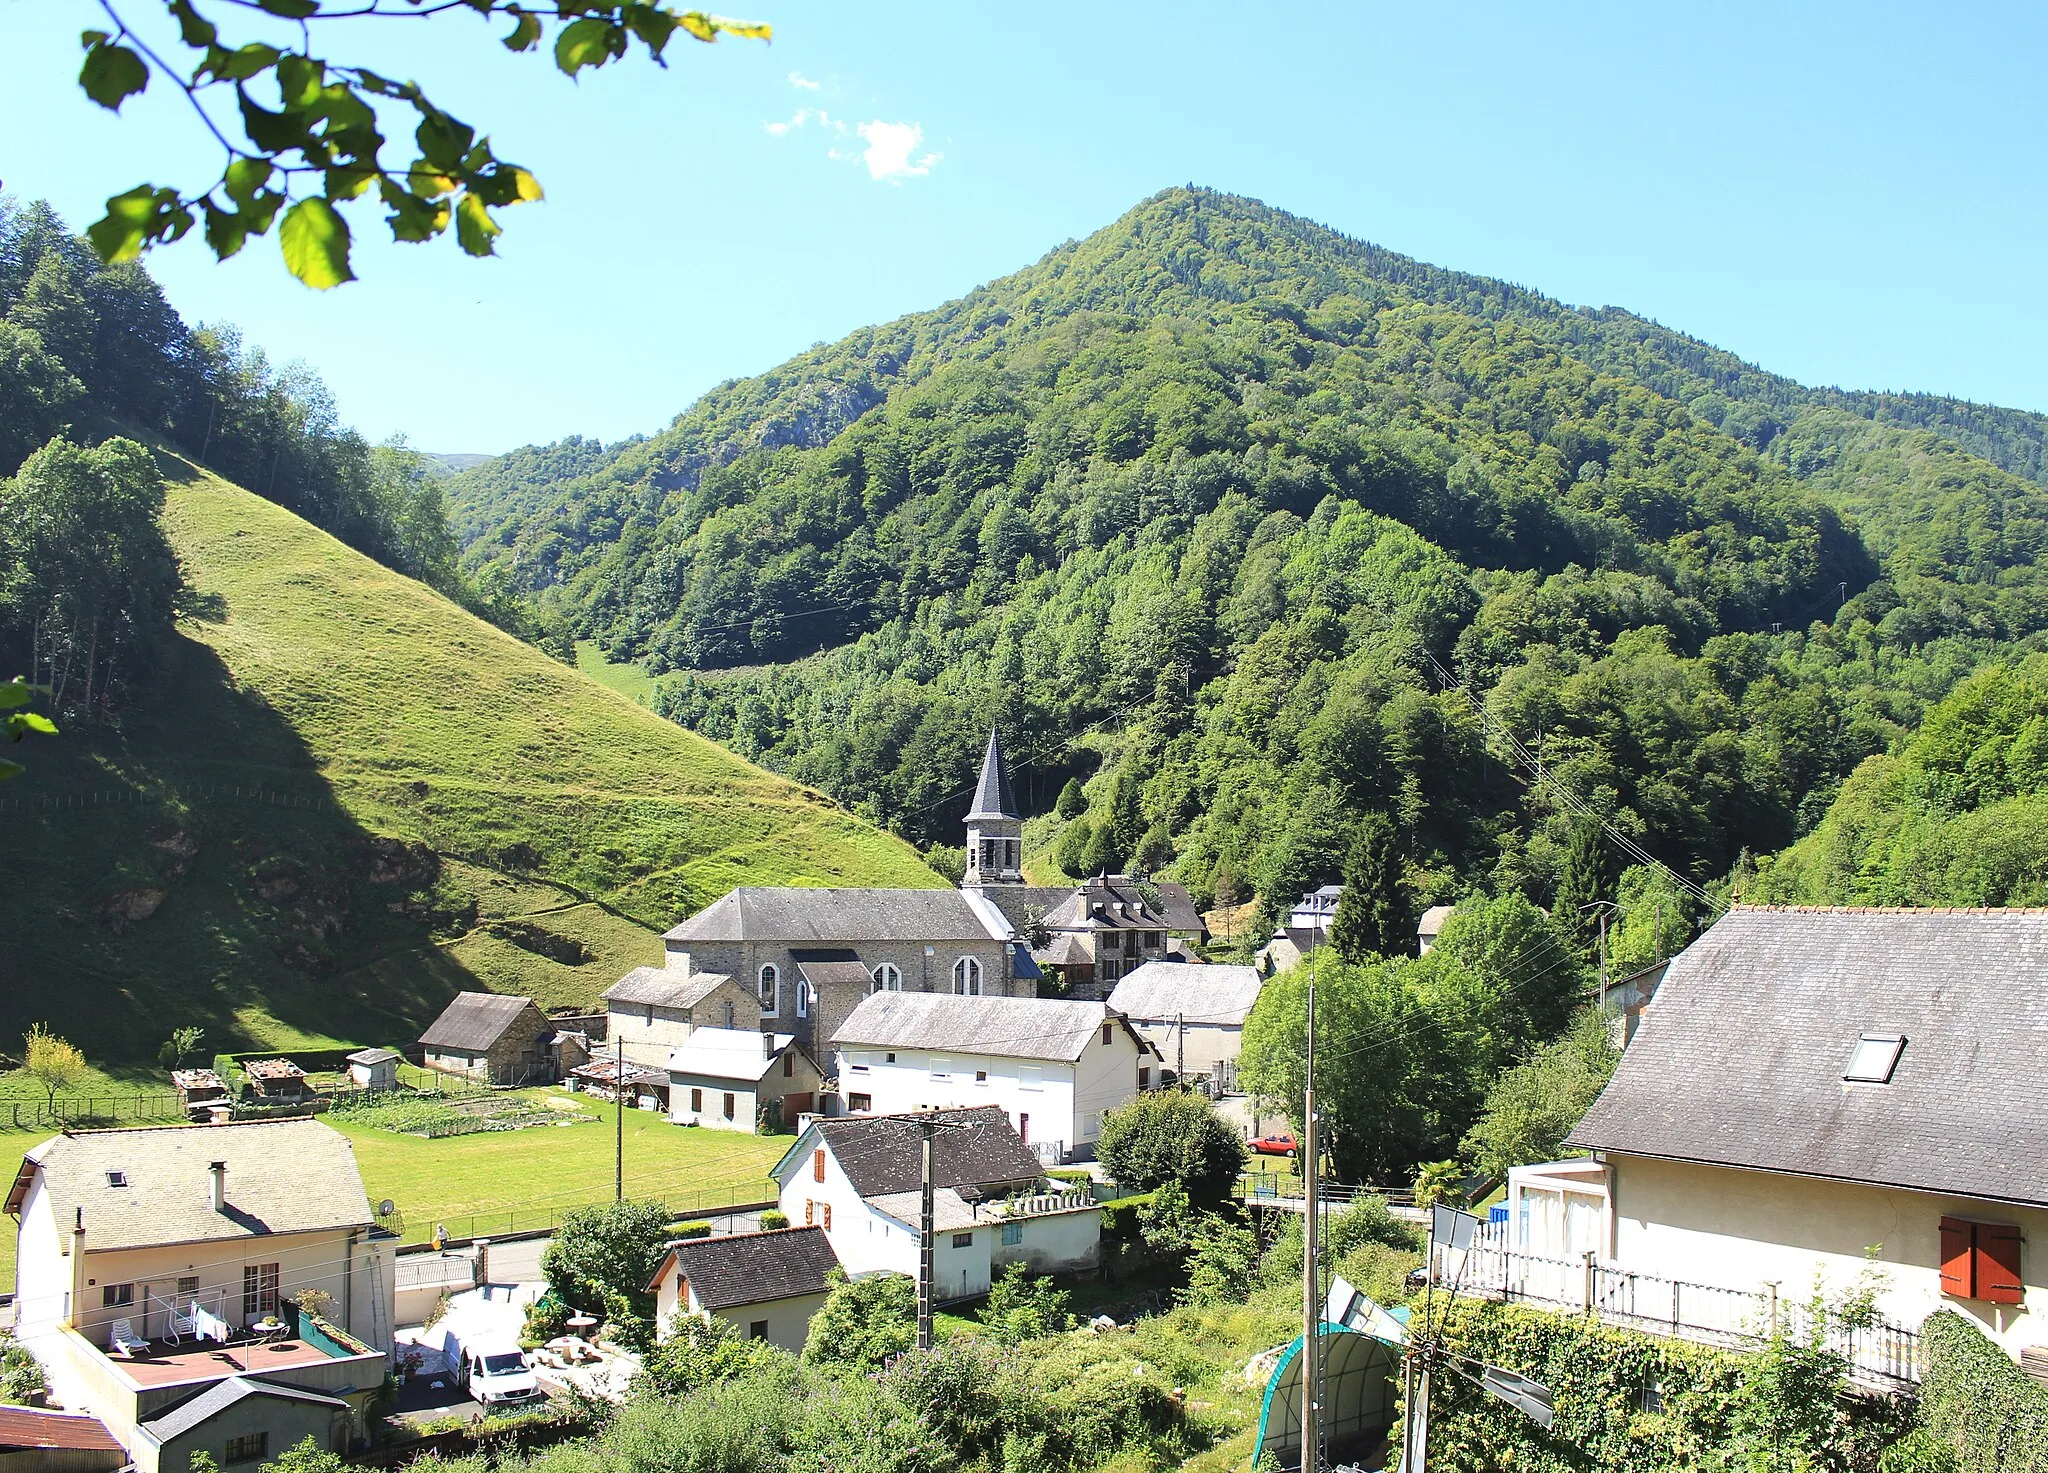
(386, 1207)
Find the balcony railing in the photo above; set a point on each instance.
(1879, 1354)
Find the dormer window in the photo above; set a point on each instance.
(117, 1178)
(1875, 1057)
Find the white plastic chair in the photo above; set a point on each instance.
(126, 1341)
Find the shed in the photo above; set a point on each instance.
(374, 1068)
(497, 1039)
(197, 1087)
(56, 1442)
(275, 1079)
(240, 1420)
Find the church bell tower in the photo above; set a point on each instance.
(995, 829)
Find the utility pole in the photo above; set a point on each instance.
(1180, 1055)
(924, 1239)
(1311, 1299)
(619, 1099)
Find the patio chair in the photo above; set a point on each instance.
(126, 1341)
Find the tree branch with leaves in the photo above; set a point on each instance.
(323, 143)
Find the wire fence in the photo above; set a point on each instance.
(45, 801)
(505, 1222)
(161, 1106)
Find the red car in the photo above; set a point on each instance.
(1279, 1143)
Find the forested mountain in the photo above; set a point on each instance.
(1262, 529)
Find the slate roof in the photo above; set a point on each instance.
(1200, 993)
(22, 1428)
(1740, 1056)
(473, 1022)
(662, 988)
(835, 974)
(950, 1211)
(728, 1053)
(992, 796)
(1433, 919)
(1007, 1027)
(1115, 902)
(751, 1268)
(217, 1398)
(283, 1176)
(807, 916)
(881, 1154)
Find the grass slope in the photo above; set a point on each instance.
(343, 798)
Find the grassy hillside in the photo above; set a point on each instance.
(342, 799)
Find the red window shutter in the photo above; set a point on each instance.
(1958, 1277)
(810, 1211)
(817, 1165)
(828, 1217)
(1998, 1263)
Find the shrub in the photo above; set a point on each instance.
(1975, 1400)
(955, 1390)
(1367, 1220)
(774, 1218)
(1223, 1264)
(863, 1321)
(683, 1232)
(1021, 1307)
(857, 1426)
(701, 1352)
(605, 1250)
(546, 1317)
(22, 1381)
(1172, 1136)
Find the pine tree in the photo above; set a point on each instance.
(1372, 914)
(1072, 801)
(1583, 883)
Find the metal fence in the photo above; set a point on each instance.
(1879, 1354)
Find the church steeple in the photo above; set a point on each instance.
(995, 829)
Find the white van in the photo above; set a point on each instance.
(494, 1372)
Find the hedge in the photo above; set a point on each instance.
(1975, 1399)
(680, 1231)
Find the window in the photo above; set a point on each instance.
(757, 1330)
(1024, 1129)
(188, 1285)
(789, 1063)
(771, 990)
(888, 978)
(728, 1104)
(963, 1240)
(941, 1066)
(818, 1165)
(247, 1448)
(858, 1103)
(981, 1076)
(1030, 1076)
(1981, 1260)
(1108, 1032)
(259, 1290)
(697, 1101)
(117, 1296)
(1013, 1234)
(1144, 1077)
(967, 977)
(857, 1063)
(117, 1178)
(1875, 1057)
(804, 993)
(891, 1056)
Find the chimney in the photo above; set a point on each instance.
(767, 1045)
(219, 1169)
(74, 1307)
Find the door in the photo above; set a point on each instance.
(1024, 1129)
(155, 1321)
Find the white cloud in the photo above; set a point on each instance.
(803, 116)
(802, 82)
(892, 151)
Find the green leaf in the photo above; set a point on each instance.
(120, 234)
(192, 26)
(10, 769)
(112, 74)
(474, 227)
(244, 177)
(652, 25)
(36, 722)
(591, 41)
(16, 692)
(299, 79)
(242, 63)
(413, 217)
(225, 230)
(525, 32)
(315, 242)
(269, 131)
(443, 140)
(291, 9)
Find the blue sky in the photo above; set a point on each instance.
(1846, 194)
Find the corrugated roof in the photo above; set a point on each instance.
(728, 1053)
(217, 1398)
(881, 1154)
(751, 1268)
(473, 1022)
(992, 796)
(810, 916)
(1740, 1055)
(1200, 993)
(950, 1212)
(369, 1056)
(23, 1428)
(1005, 1027)
(283, 1176)
(662, 988)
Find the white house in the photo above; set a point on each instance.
(1810, 1086)
(144, 1257)
(859, 1179)
(652, 1010)
(767, 1285)
(738, 1078)
(1192, 1014)
(1053, 1068)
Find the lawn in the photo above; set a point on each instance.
(628, 680)
(505, 1181)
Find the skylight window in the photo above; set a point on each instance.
(1876, 1056)
(117, 1178)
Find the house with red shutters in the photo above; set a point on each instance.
(1826, 1096)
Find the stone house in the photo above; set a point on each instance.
(652, 1011)
(494, 1039)
(740, 1079)
(1194, 1015)
(766, 1285)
